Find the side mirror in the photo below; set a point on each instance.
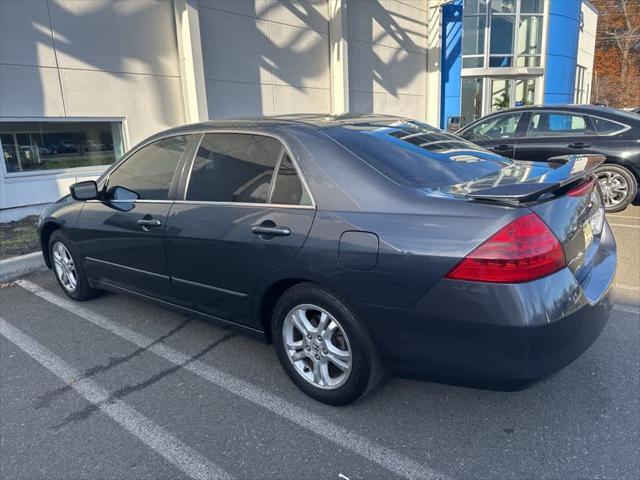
(87, 190)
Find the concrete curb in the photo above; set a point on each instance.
(15, 267)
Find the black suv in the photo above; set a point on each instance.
(542, 132)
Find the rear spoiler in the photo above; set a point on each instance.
(574, 168)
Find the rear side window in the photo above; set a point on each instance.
(147, 174)
(500, 126)
(288, 189)
(233, 167)
(547, 124)
(606, 127)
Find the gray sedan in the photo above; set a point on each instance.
(357, 245)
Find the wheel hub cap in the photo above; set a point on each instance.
(64, 267)
(614, 188)
(317, 346)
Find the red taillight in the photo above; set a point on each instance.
(524, 250)
(583, 188)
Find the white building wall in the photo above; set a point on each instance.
(587, 43)
(89, 58)
(264, 57)
(388, 57)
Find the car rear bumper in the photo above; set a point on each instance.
(498, 335)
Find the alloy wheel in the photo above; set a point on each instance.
(317, 346)
(614, 187)
(64, 267)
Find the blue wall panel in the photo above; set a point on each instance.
(562, 50)
(451, 60)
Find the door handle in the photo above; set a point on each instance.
(274, 231)
(502, 147)
(148, 223)
(578, 145)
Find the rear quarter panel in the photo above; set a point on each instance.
(415, 250)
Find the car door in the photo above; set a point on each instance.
(121, 235)
(238, 221)
(498, 133)
(556, 133)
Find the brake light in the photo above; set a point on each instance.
(523, 250)
(583, 188)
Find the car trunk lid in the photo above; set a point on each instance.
(563, 193)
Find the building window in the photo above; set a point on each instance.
(474, 25)
(580, 93)
(502, 33)
(43, 146)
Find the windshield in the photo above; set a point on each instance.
(415, 154)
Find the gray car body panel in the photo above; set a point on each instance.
(420, 321)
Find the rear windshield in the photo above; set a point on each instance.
(415, 154)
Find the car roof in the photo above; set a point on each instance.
(564, 107)
(314, 120)
(597, 110)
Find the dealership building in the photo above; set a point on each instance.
(83, 81)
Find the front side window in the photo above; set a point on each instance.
(493, 128)
(548, 124)
(38, 146)
(148, 172)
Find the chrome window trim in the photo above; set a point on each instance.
(286, 149)
(582, 114)
(139, 200)
(624, 126)
(244, 204)
(124, 267)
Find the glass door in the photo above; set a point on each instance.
(510, 92)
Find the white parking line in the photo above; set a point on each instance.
(153, 436)
(623, 226)
(385, 457)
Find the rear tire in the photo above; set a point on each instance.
(68, 268)
(324, 348)
(618, 186)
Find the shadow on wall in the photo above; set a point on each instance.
(122, 41)
(388, 54)
(263, 62)
(265, 57)
(259, 61)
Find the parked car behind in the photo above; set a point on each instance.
(352, 243)
(542, 132)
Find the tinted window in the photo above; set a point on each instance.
(232, 167)
(147, 174)
(556, 124)
(493, 128)
(416, 155)
(288, 189)
(606, 127)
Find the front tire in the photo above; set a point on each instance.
(618, 186)
(68, 268)
(326, 351)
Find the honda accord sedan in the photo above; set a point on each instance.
(548, 131)
(356, 244)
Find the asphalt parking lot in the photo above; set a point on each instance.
(118, 388)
